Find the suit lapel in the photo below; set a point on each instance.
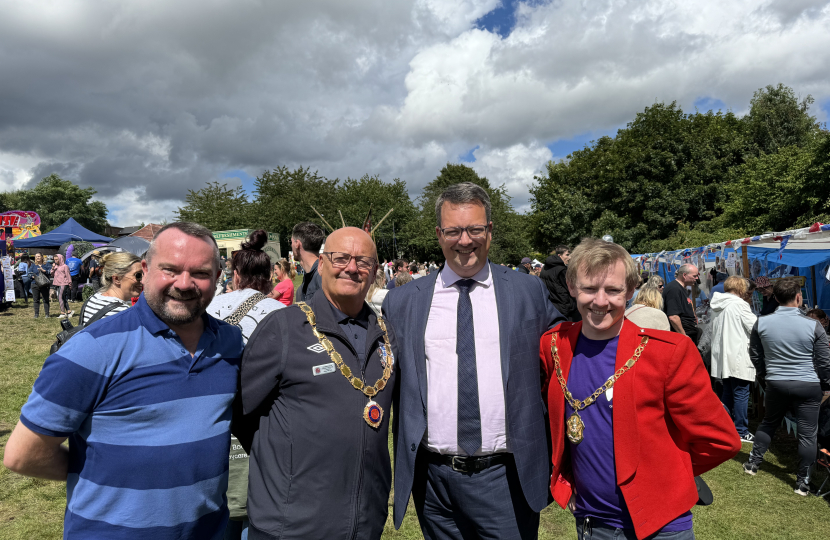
(423, 303)
(504, 307)
(626, 435)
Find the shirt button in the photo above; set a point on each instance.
(183, 351)
(412, 447)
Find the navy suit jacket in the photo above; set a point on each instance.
(524, 314)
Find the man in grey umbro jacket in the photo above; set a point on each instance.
(317, 468)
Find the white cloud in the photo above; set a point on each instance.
(143, 100)
(514, 167)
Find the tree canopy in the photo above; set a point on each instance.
(216, 207)
(670, 179)
(55, 200)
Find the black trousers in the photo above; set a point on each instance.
(453, 505)
(74, 296)
(805, 397)
(37, 294)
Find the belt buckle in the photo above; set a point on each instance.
(458, 464)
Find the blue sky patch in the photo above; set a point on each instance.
(246, 179)
(501, 20)
(708, 103)
(562, 147)
(469, 157)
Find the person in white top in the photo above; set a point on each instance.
(121, 277)
(377, 292)
(731, 328)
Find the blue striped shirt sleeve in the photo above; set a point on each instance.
(70, 384)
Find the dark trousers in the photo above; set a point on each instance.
(693, 333)
(487, 504)
(598, 531)
(779, 397)
(73, 291)
(735, 397)
(37, 294)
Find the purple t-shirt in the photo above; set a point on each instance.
(595, 478)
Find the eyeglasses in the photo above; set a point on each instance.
(660, 286)
(138, 276)
(342, 260)
(473, 231)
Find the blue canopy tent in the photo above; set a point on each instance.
(70, 231)
(807, 262)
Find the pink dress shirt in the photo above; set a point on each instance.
(442, 366)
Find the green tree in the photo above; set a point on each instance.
(10, 200)
(663, 168)
(777, 119)
(510, 241)
(217, 207)
(57, 200)
(283, 198)
(354, 197)
(779, 191)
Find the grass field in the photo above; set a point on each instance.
(745, 507)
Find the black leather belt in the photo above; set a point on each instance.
(467, 464)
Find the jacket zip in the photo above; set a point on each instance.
(359, 482)
(356, 512)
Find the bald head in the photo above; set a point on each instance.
(687, 274)
(346, 284)
(345, 239)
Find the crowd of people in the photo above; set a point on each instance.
(578, 380)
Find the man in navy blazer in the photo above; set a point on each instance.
(469, 421)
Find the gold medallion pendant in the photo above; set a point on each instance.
(373, 414)
(575, 428)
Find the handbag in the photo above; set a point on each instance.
(42, 280)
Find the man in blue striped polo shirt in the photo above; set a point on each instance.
(144, 398)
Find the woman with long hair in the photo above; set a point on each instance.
(62, 281)
(284, 276)
(245, 307)
(25, 268)
(121, 277)
(40, 292)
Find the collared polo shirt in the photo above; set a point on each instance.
(355, 328)
(148, 426)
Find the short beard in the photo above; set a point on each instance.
(160, 308)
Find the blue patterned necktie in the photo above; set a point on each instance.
(469, 415)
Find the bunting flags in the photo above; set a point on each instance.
(783, 245)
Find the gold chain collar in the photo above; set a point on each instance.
(356, 383)
(575, 426)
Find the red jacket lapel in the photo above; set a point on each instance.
(566, 344)
(626, 434)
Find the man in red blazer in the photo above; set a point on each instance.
(640, 420)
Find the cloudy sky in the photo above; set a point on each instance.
(144, 99)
